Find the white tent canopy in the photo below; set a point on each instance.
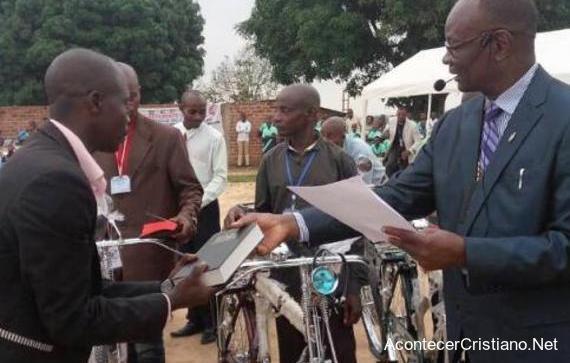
(417, 75)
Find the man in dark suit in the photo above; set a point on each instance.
(496, 170)
(161, 182)
(54, 305)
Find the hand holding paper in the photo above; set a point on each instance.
(433, 248)
(354, 204)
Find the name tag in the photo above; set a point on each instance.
(120, 185)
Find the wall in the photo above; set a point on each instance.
(16, 118)
(257, 113)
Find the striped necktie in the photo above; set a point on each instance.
(490, 137)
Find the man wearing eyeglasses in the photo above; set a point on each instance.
(497, 171)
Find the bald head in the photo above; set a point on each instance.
(334, 124)
(191, 94)
(88, 93)
(129, 73)
(133, 85)
(302, 96)
(514, 15)
(76, 72)
(334, 130)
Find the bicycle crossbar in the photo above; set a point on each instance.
(137, 241)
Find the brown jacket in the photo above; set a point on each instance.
(163, 183)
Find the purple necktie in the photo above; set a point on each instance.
(490, 138)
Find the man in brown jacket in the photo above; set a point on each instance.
(150, 175)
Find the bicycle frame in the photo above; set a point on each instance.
(312, 312)
(393, 268)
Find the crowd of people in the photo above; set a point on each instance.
(494, 171)
(9, 145)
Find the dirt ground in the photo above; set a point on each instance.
(189, 350)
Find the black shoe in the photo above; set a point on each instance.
(186, 331)
(208, 336)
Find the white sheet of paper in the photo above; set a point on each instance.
(356, 205)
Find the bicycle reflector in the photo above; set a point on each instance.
(324, 280)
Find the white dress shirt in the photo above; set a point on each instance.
(510, 99)
(358, 149)
(207, 151)
(243, 128)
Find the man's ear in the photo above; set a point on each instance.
(312, 111)
(94, 101)
(502, 44)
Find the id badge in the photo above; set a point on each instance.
(120, 184)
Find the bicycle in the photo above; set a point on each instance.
(394, 311)
(387, 319)
(245, 302)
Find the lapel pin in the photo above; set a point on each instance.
(512, 137)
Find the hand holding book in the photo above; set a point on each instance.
(188, 289)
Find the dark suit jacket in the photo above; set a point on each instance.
(50, 282)
(163, 183)
(517, 285)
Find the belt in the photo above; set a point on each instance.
(27, 342)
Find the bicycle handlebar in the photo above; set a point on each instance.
(252, 266)
(137, 241)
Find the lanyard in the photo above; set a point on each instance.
(304, 172)
(121, 156)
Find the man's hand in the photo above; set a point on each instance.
(352, 309)
(276, 228)
(190, 291)
(183, 261)
(433, 248)
(233, 215)
(186, 231)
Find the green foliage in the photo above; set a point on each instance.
(161, 39)
(355, 40)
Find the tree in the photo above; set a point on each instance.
(161, 39)
(355, 40)
(246, 78)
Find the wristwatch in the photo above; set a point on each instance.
(167, 286)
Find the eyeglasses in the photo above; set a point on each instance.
(486, 36)
(453, 48)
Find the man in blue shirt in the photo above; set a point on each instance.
(368, 165)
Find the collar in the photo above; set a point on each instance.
(133, 119)
(88, 165)
(189, 132)
(509, 100)
(313, 146)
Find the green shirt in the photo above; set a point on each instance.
(379, 148)
(268, 135)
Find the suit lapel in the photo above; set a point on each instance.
(140, 147)
(525, 117)
(469, 140)
(471, 131)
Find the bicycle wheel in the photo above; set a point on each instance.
(371, 321)
(237, 341)
(400, 343)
